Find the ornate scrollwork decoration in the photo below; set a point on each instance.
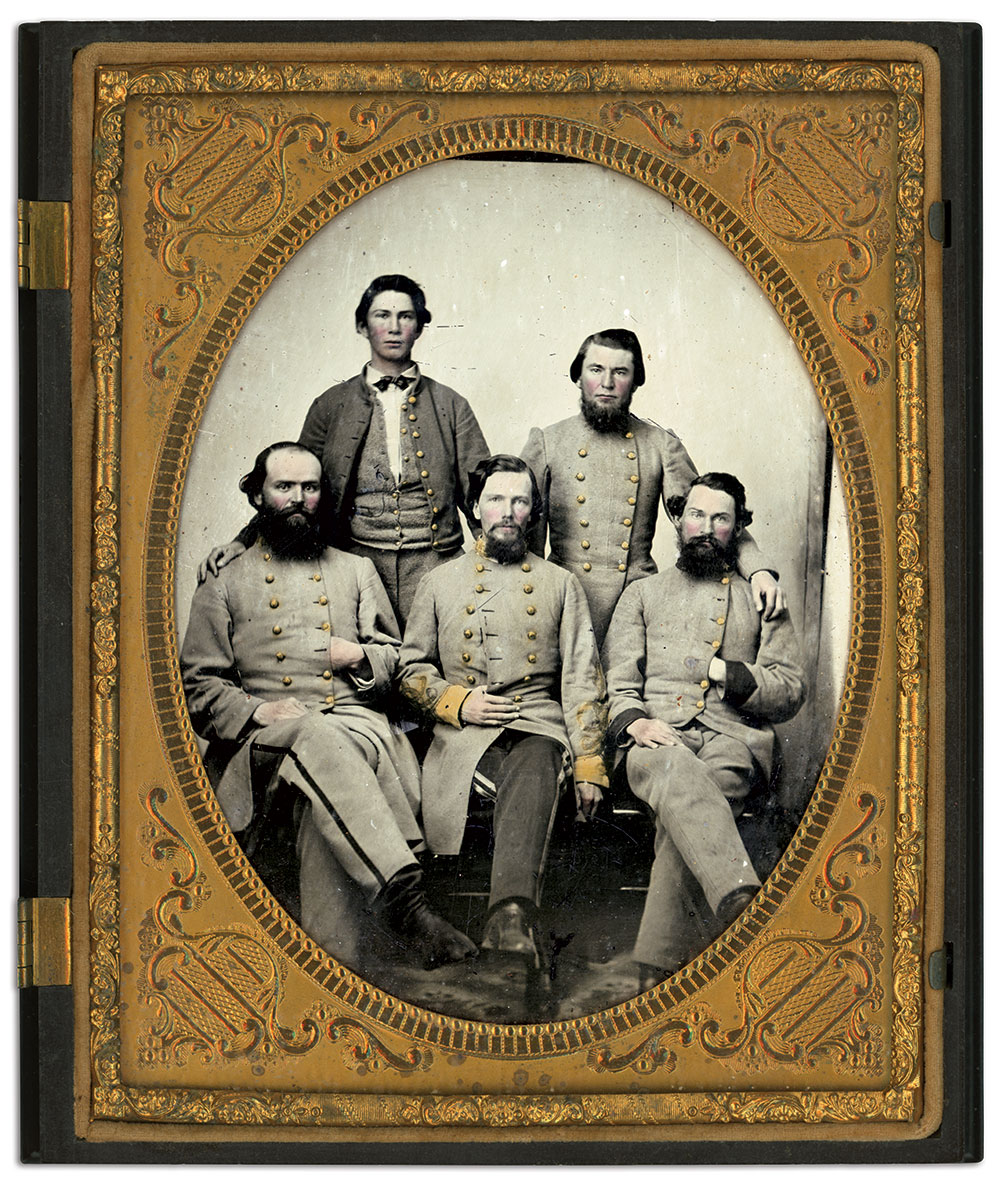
(364, 1051)
(813, 179)
(215, 994)
(519, 76)
(654, 1052)
(224, 175)
(377, 118)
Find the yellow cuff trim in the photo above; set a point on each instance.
(590, 769)
(450, 703)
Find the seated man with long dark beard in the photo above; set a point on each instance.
(287, 653)
(499, 651)
(696, 676)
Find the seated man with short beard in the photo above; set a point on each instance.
(499, 651)
(696, 676)
(287, 652)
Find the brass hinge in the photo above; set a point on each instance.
(42, 245)
(43, 941)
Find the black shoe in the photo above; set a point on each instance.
(403, 910)
(731, 906)
(651, 976)
(508, 931)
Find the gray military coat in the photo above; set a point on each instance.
(260, 631)
(522, 630)
(601, 494)
(665, 631)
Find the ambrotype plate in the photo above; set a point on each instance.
(757, 214)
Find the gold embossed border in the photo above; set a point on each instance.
(901, 80)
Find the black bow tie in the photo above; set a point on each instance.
(386, 382)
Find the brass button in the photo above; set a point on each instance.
(700, 705)
(704, 685)
(395, 512)
(581, 499)
(467, 633)
(322, 600)
(267, 557)
(721, 619)
(715, 643)
(424, 474)
(633, 478)
(531, 610)
(268, 577)
(274, 603)
(622, 566)
(435, 510)
(580, 476)
(324, 627)
(526, 566)
(627, 522)
(280, 656)
(403, 406)
(725, 581)
(434, 529)
(587, 566)
(471, 679)
(532, 635)
(528, 588)
(420, 454)
(327, 675)
(527, 678)
(395, 495)
(412, 417)
(624, 544)
(582, 452)
(406, 458)
(585, 544)
(403, 432)
(479, 588)
(479, 567)
(470, 610)
(532, 658)
(317, 577)
(329, 699)
(286, 681)
(466, 657)
(430, 490)
(518, 698)
(276, 631)
(585, 523)
(630, 434)
(631, 499)
(412, 400)
(416, 433)
(631, 454)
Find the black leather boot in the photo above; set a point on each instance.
(509, 930)
(732, 905)
(403, 911)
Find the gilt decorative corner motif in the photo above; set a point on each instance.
(207, 1003)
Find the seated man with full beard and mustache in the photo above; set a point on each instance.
(696, 675)
(287, 652)
(499, 651)
(603, 473)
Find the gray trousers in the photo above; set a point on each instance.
(695, 791)
(401, 571)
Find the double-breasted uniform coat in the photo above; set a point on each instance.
(260, 632)
(665, 632)
(522, 630)
(601, 493)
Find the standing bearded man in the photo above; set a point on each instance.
(287, 653)
(603, 474)
(500, 652)
(696, 677)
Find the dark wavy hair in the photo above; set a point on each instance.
(252, 484)
(717, 481)
(618, 340)
(507, 464)
(394, 283)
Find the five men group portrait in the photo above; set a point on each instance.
(354, 663)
